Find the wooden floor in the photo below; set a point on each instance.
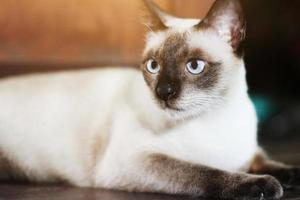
(285, 151)
(23, 192)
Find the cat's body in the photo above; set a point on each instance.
(188, 128)
(69, 120)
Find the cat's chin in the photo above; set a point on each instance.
(177, 113)
(182, 114)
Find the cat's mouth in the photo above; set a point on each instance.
(172, 107)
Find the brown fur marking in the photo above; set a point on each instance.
(287, 175)
(188, 178)
(172, 57)
(237, 25)
(154, 19)
(10, 170)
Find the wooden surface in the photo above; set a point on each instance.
(53, 34)
(21, 192)
(287, 151)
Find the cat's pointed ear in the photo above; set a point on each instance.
(155, 17)
(227, 18)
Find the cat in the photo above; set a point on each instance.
(183, 124)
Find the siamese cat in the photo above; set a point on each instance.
(184, 124)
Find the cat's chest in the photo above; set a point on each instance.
(225, 142)
(225, 149)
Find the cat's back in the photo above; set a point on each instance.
(70, 92)
(67, 80)
(59, 116)
(79, 92)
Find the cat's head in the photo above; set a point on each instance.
(189, 64)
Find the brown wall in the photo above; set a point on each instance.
(53, 34)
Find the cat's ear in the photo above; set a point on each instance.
(227, 18)
(155, 17)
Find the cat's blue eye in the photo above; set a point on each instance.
(195, 66)
(152, 66)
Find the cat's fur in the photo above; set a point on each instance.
(110, 128)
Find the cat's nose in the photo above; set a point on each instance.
(165, 91)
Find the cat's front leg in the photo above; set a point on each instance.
(289, 176)
(169, 175)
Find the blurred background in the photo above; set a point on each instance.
(54, 35)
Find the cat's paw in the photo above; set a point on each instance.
(258, 187)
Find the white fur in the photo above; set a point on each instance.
(179, 23)
(49, 123)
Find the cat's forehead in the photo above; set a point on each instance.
(177, 28)
(174, 41)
